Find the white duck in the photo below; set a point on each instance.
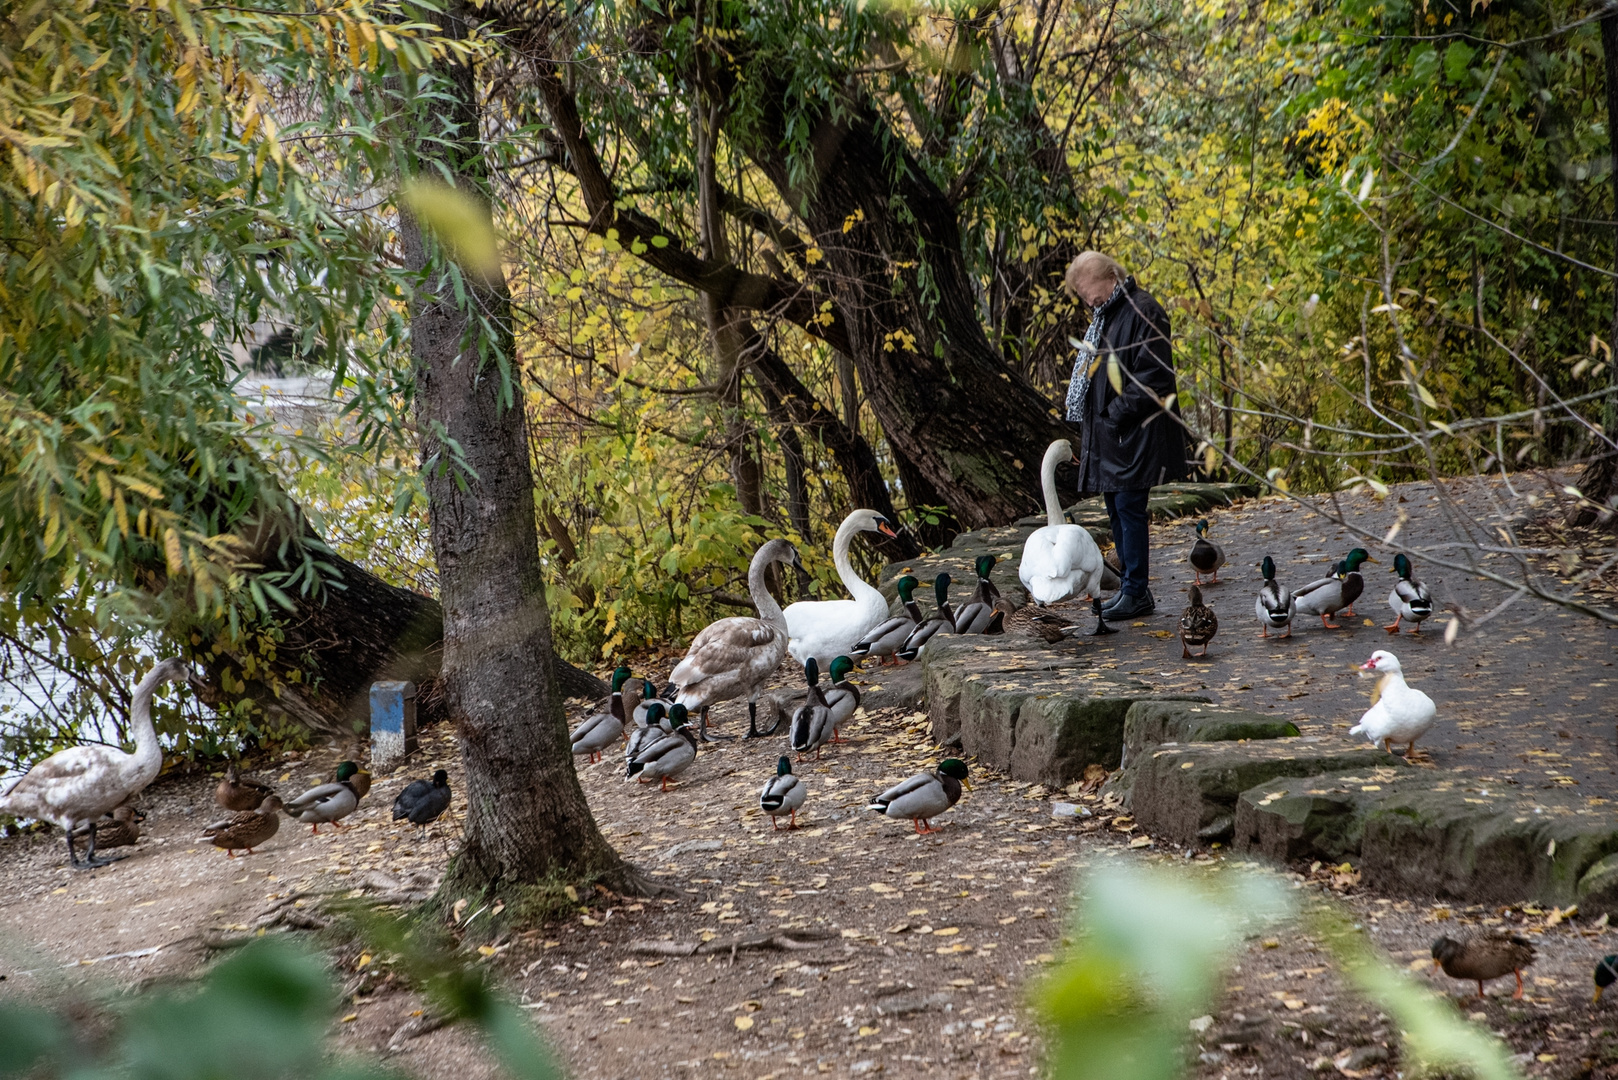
(1399, 712)
(76, 786)
(826, 629)
(1060, 560)
(734, 657)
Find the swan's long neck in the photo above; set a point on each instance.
(148, 754)
(1047, 477)
(857, 586)
(768, 609)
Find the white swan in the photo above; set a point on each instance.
(76, 786)
(827, 629)
(1060, 561)
(1399, 712)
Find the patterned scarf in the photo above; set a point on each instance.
(1084, 362)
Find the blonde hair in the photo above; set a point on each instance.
(1092, 266)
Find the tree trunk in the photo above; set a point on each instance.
(1600, 479)
(946, 400)
(791, 460)
(527, 821)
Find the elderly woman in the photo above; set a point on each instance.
(1127, 443)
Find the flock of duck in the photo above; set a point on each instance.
(89, 791)
(735, 657)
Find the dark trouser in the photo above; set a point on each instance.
(1127, 511)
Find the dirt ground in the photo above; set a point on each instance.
(930, 942)
(905, 955)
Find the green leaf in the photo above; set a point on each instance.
(1458, 61)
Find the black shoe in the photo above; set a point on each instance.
(1123, 606)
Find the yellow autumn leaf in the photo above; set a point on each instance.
(171, 552)
(743, 1023)
(459, 221)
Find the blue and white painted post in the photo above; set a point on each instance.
(393, 723)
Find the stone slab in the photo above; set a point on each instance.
(1505, 849)
(950, 661)
(1194, 719)
(1292, 818)
(1188, 793)
(1060, 735)
(1429, 833)
(1598, 887)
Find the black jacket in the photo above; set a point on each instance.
(1128, 444)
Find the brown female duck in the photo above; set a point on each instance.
(246, 829)
(234, 793)
(1483, 957)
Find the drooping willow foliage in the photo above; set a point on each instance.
(164, 196)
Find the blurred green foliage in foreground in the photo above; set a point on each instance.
(1153, 944)
(262, 1014)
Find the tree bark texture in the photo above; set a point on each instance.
(1599, 481)
(527, 821)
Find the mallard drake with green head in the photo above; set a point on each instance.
(889, 637)
(247, 828)
(236, 793)
(1328, 595)
(601, 729)
(1484, 956)
(655, 724)
(1606, 974)
(925, 795)
(942, 621)
(1274, 606)
(842, 697)
(1206, 557)
(669, 756)
(644, 697)
(327, 804)
(784, 793)
(986, 612)
(1351, 566)
(1198, 625)
(1410, 600)
(811, 726)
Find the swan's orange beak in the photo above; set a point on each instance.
(885, 529)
